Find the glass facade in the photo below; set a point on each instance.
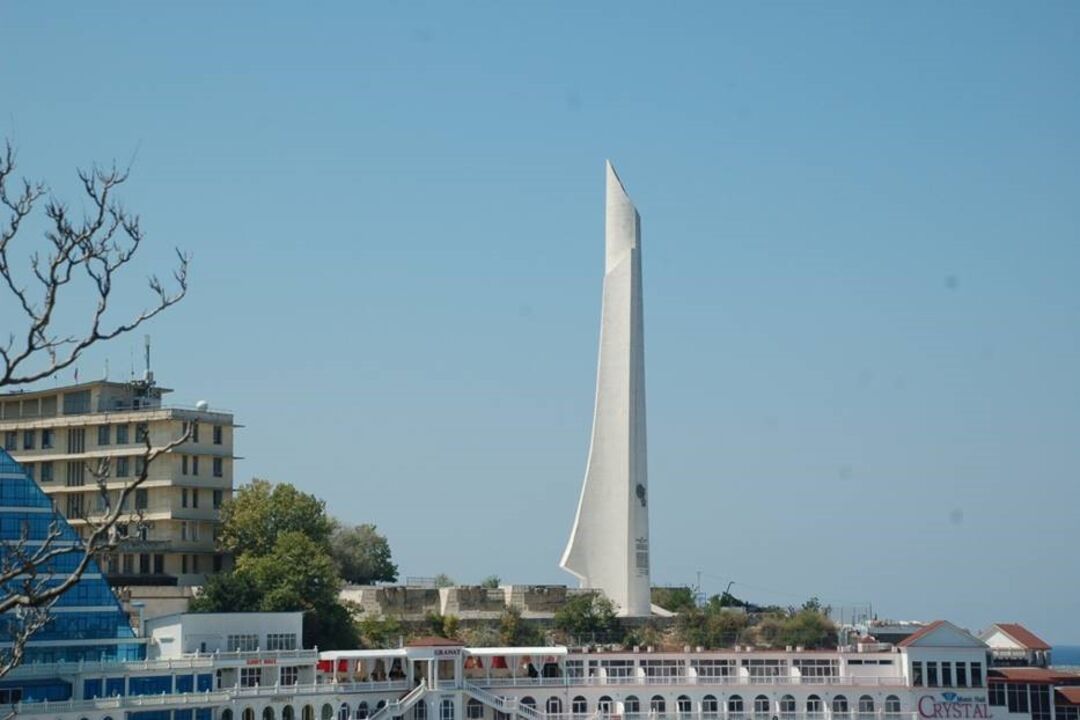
(88, 623)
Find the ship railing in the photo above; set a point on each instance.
(730, 680)
(184, 662)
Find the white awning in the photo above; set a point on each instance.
(515, 651)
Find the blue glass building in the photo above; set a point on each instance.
(88, 622)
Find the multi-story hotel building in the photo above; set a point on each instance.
(59, 435)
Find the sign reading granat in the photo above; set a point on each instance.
(953, 706)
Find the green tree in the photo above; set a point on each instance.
(588, 616)
(674, 599)
(711, 628)
(297, 574)
(443, 580)
(808, 628)
(261, 511)
(514, 630)
(491, 582)
(382, 632)
(362, 555)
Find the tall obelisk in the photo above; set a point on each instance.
(609, 544)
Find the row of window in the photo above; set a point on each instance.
(154, 564)
(189, 465)
(1022, 698)
(108, 434)
(250, 642)
(710, 706)
(950, 675)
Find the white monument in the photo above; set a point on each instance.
(609, 544)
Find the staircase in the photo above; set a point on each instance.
(401, 705)
(510, 706)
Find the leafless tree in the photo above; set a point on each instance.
(97, 247)
(93, 250)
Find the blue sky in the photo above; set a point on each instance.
(861, 238)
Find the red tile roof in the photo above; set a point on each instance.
(920, 633)
(1031, 675)
(1068, 695)
(1022, 635)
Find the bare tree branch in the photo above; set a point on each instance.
(97, 248)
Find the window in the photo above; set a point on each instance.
(122, 467)
(75, 474)
(183, 465)
(194, 464)
(104, 434)
(219, 467)
(931, 674)
(866, 705)
(140, 465)
(242, 643)
(839, 705)
(710, 707)
(761, 670)
(47, 436)
(812, 668)
(249, 677)
(553, 706)
(183, 531)
(419, 711)
(631, 706)
(712, 668)
(218, 497)
(219, 563)
(474, 709)
(281, 641)
(892, 705)
(141, 499)
(916, 673)
(144, 564)
(11, 440)
(976, 675)
(579, 706)
(28, 438)
(961, 674)
(183, 564)
(159, 564)
(946, 674)
(129, 564)
(814, 706)
(787, 706)
(446, 709)
(141, 431)
(194, 531)
(195, 497)
(194, 432)
(1040, 702)
(122, 435)
(45, 472)
(217, 434)
(735, 706)
(761, 706)
(76, 438)
(183, 497)
(1017, 695)
(657, 704)
(683, 706)
(29, 468)
(75, 507)
(290, 674)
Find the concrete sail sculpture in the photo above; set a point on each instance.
(609, 543)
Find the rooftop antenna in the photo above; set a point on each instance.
(149, 375)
